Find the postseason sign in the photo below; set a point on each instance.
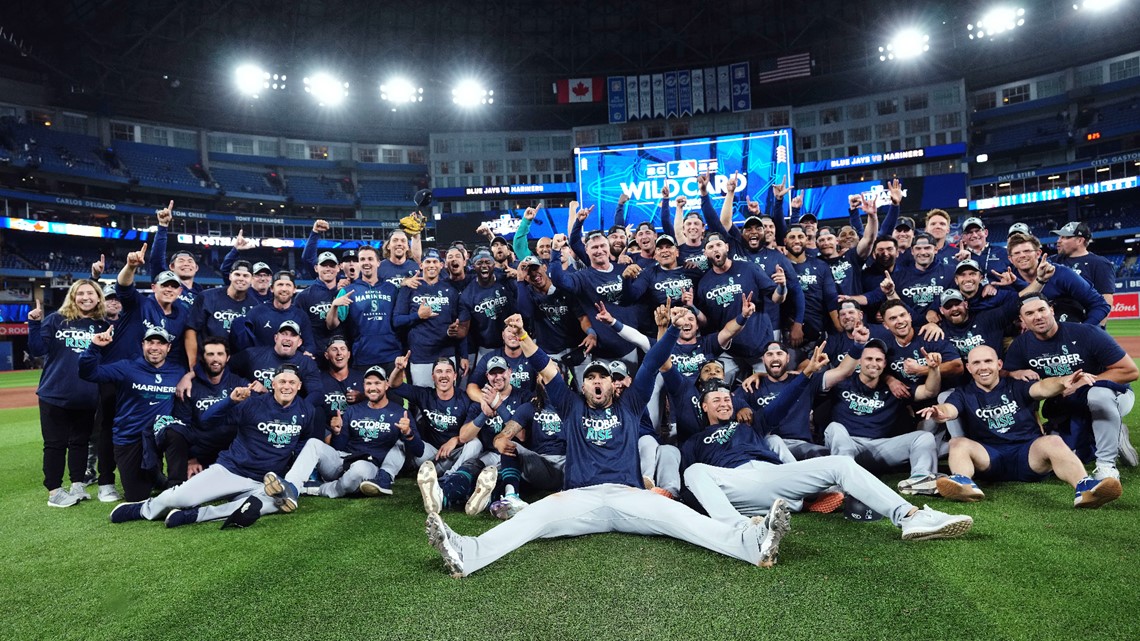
(641, 171)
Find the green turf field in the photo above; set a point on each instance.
(20, 378)
(1123, 328)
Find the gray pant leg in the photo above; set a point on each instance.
(780, 447)
(803, 450)
(218, 512)
(839, 442)
(707, 483)
(802, 479)
(668, 474)
(315, 455)
(394, 460)
(544, 472)
(429, 453)
(1106, 418)
(490, 457)
(210, 484)
(647, 455)
(350, 481)
(916, 448)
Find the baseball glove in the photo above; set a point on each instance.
(413, 223)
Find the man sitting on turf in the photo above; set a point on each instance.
(1003, 441)
(362, 455)
(270, 429)
(732, 472)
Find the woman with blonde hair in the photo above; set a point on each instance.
(67, 403)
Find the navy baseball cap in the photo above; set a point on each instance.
(614, 229)
(594, 234)
(644, 225)
(714, 385)
(167, 277)
(496, 362)
(618, 369)
(246, 514)
(285, 274)
(499, 240)
(922, 239)
(824, 231)
(376, 370)
(877, 343)
(752, 221)
(348, 256)
(327, 257)
(715, 236)
(808, 215)
(431, 253)
(849, 304)
(665, 239)
(292, 368)
(905, 222)
(241, 264)
(182, 252)
(482, 254)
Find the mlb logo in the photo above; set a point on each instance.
(682, 169)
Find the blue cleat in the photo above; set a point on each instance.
(960, 487)
(382, 484)
(182, 517)
(283, 492)
(124, 512)
(1092, 493)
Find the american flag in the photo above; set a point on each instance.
(786, 67)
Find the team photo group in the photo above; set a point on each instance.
(697, 378)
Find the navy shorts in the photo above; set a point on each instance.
(1010, 462)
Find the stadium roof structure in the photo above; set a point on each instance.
(172, 61)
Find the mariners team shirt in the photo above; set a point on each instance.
(373, 431)
(687, 357)
(820, 295)
(846, 271)
(866, 412)
(487, 307)
(728, 445)
(1074, 299)
(655, 285)
(334, 397)
(144, 397)
(1095, 269)
(719, 297)
(981, 328)
(157, 264)
(262, 322)
(395, 274)
(316, 300)
(553, 317)
(921, 290)
(140, 313)
(62, 342)
(370, 318)
(259, 363)
(268, 434)
(591, 286)
(443, 418)
(427, 338)
(496, 423)
(897, 355)
(1000, 416)
(523, 379)
(207, 437)
(795, 422)
(216, 314)
(543, 429)
(1075, 346)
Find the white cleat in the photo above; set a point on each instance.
(442, 538)
(430, 490)
(775, 526)
(928, 524)
(484, 485)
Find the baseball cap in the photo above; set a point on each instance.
(157, 332)
(348, 256)
(849, 304)
(796, 227)
(167, 277)
(181, 252)
(877, 343)
(598, 366)
(496, 362)
(969, 263)
(431, 253)
(292, 368)
(1032, 297)
(715, 236)
(950, 295)
(752, 221)
(241, 264)
(338, 338)
(631, 244)
(376, 370)
(594, 234)
(288, 324)
(614, 229)
(922, 239)
(1018, 228)
(824, 231)
(530, 261)
(666, 239)
(499, 240)
(644, 225)
(246, 514)
(327, 257)
(618, 369)
(482, 254)
(808, 216)
(110, 291)
(905, 222)
(1074, 228)
(973, 221)
(261, 267)
(714, 385)
(285, 275)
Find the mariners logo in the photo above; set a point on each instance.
(999, 418)
(600, 429)
(1062, 364)
(723, 435)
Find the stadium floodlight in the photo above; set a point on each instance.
(908, 43)
(251, 80)
(401, 90)
(328, 91)
(1096, 5)
(471, 93)
(997, 21)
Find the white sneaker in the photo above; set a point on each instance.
(108, 494)
(1105, 471)
(62, 498)
(484, 485)
(430, 490)
(775, 525)
(931, 524)
(1128, 452)
(79, 491)
(442, 538)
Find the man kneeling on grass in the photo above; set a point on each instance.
(1003, 441)
(270, 429)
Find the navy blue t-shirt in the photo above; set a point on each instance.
(543, 428)
(371, 317)
(729, 445)
(62, 342)
(206, 437)
(487, 307)
(1001, 416)
(144, 399)
(373, 431)
(443, 418)
(553, 317)
(796, 421)
(262, 321)
(315, 300)
(719, 297)
(428, 337)
(395, 274)
(268, 434)
(1075, 346)
(820, 296)
(522, 379)
(259, 363)
(865, 412)
(216, 314)
(1097, 270)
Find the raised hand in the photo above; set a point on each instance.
(136, 259)
(797, 201)
(425, 312)
(633, 270)
(515, 323)
(336, 423)
(603, 314)
(165, 215)
(677, 316)
(320, 226)
(401, 362)
(868, 205)
(752, 205)
(780, 278)
(103, 339)
(681, 202)
(933, 359)
(343, 301)
(584, 213)
(405, 424)
(780, 190)
(241, 243)
(664, 193)
(747, 307)
(818, 360)
(861, 334)
(1045, 270)
(530, 212)
(895, 189)
(888, 285)
(1004, 279)
(37, 314)
(241, 393)
(622, 199)
(662, 314)
(98, 266)
(703, 184)
(855, 201)
(730, 186)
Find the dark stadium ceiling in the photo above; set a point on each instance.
(172, 61)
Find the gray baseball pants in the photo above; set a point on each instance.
(916, 448)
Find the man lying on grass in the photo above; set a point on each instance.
(1003, 441)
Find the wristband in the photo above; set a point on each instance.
(523, 336)
(781, 288)
(741, 320)
(591, 331)
(478, 421)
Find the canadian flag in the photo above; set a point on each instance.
(580, 90)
